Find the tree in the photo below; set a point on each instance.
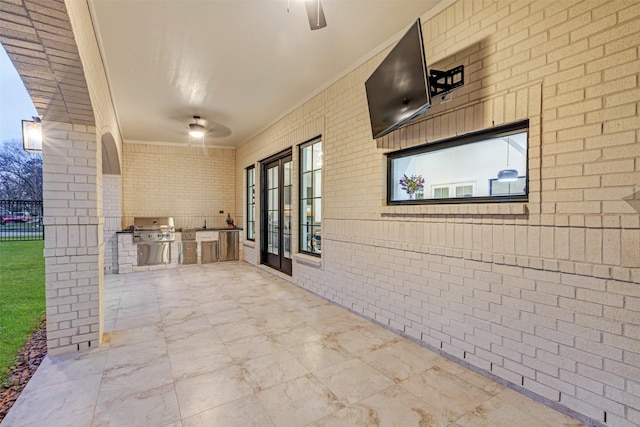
(20, 172)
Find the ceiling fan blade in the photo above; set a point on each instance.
(315, 14)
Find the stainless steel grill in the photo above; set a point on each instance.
(153, 237)
(153, 229)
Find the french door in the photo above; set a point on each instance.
(276, 211)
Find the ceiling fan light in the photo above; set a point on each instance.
(196, 130)
(508, 175)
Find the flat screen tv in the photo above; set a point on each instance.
(398, 90)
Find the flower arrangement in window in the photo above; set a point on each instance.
(412, 184)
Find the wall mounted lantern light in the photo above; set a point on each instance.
(32, 134)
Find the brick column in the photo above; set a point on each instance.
(73, 237)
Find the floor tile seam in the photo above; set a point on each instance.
(536, 403)
(136, 367)
(134, 316)
(215, 407)
(264, 409)
(160, 341)
(247, 337)
(121, 311)
(290, 345)
(345, 402)
(62, 418)
(175, 391)
(259, 389)
(176, 355)
(89, 406)
(477, 390)
(133, 393)
(309, 376)
(473, 411)
(356, 404)
(200, 374)
(143, 340)
(37, 388)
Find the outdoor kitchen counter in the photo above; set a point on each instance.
(127, 250)
(179, 230)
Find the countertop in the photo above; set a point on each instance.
(179, 230)
(212, 229)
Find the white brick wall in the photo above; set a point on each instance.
(545, 294)
(112, 211)
(188, 183)
(73, 202)
(73, 238)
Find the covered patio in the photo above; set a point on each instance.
(229, 344)
(539, 293)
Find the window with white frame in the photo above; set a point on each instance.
(485, 166)
(311, 197)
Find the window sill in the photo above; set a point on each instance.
(308, 260)
(249, 243)
(458, 209)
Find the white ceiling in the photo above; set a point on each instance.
(239, 64)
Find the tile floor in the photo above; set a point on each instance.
(231, 345)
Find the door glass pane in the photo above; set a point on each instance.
(287, 222)
(273, 210)
(287, 208)
(287, 246)
(317, 155)
(273, 177)
(287, 197)
(287, 173)
(307, 207)
(272, 247)
(312, 239)
(305, 233)
(271, 224)
(317, 211)
(317, 183)
(250, 172)
(306, 159)
(273, 199)
(306, 185)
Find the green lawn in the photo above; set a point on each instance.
(22, 297)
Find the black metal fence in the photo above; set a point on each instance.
(21, 220)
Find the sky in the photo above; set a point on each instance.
(15, 103)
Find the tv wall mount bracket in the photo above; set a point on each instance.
(443, 82)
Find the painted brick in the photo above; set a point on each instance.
(540, 62)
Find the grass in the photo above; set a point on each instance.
(22, 297)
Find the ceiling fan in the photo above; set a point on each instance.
(199, 129)
(315, 13)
